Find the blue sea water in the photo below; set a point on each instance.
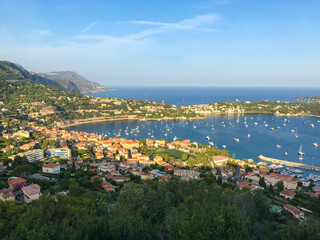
(202, 95)
(227, 127)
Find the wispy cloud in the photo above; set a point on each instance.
(187, 24)
(195, 23)
(208, 4)
(87, 28)
(43, 32)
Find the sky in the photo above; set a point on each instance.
(167, 42)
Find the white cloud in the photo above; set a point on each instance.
(43, 32)
(87, 28)
(195, 23)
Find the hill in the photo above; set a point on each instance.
(13, 72)
(67, 77)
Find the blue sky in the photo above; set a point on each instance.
(167, 42)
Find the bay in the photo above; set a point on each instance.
(262, 140)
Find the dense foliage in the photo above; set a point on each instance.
(152, 210)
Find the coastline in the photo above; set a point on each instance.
(90, 120)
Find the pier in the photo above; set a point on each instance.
(291, 164)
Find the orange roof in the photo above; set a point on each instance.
(51, 165)
(288, 193)
(17, 181)
(217, 158)
(292, 209)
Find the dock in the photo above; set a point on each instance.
(291, 164)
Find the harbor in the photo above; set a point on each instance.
(291, 164)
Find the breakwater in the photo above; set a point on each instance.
(291, 164)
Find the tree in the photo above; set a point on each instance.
(19, 161)
(280, 185)
(184, 156)
(23, 171)
(262, 183)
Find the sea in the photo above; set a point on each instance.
(253, 130)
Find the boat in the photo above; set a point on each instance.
(237, 139)
(212, 129)
(249, 135)
(292, 130)
(224, 146)
(300, 151)
(272, 129)
(315, 144)
(207, 138)
(278, 146)
(312, 125)
(285, 153)
(211, 143)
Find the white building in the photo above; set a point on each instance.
(51, 168)
(34, 155)
(63, 153)
(220, 160)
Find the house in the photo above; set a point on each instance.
(6, 195)
(108, 186)
(294, 211)
(99, 155)
(287, 194)
(31, 192)
(219, 160)
(16, 183)
(252, 178)
(51, 168)
(187, 174)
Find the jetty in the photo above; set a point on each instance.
(291, 164)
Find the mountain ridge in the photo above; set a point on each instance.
(83, 84)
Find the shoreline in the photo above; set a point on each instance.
(129, 118)
(85, 121)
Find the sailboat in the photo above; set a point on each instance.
(300, 151)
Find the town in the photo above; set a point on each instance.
(35, 160)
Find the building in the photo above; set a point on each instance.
(63, 153)
(108, 187)
(220, 160)
(34, 155)
(287, 194)
(51, 168)
(31, 192)
(294, 211)
(6, 195)
(288, 181)
(252, 178)
(16, 183)
(187, 174)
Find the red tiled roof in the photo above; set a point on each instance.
(292, 209)
(16, 181)
(288, 193)
(51, 165)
